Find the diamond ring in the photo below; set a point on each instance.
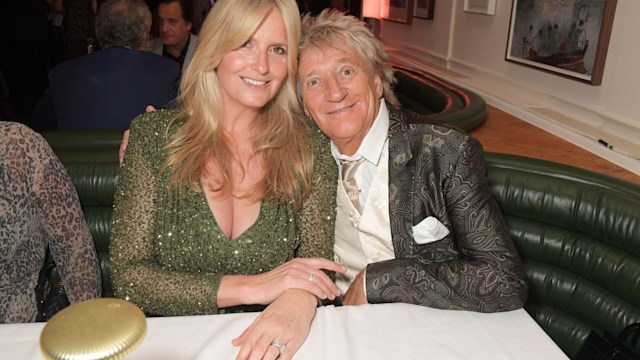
(282, 348)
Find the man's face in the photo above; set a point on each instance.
(174, 30)
(340, 95)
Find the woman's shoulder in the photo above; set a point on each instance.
(155, 126)
(15, 135)
(14, 130)
(154, 121)
(320, 146)
(317, 139)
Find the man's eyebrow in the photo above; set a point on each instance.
(306, 75)
(341, 61)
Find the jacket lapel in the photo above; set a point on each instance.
(401, 183)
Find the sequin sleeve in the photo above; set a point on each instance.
(136, 272)
(318, 214)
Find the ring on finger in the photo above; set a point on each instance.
(282, 348)
(311, 277)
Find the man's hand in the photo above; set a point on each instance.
(123, 145)
(355, 294)
(125, 137)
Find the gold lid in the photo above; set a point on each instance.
(104, 328)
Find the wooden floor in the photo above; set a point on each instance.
(503, 133)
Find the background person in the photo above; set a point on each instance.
(422, 226)
(174, 26)
(108, 88)
(39, 207)
(230, 199)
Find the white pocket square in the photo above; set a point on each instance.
(429, 230)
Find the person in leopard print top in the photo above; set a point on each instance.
(39, 207)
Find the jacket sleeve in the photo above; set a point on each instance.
(475, 267)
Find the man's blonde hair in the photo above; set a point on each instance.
(333, 29)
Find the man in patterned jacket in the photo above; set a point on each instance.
(421, 225)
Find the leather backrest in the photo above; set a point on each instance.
(442, 101)
(91, 158)
(578, 234)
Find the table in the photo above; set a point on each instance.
(382, 331)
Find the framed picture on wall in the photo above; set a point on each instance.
(397, 10)
(568, 38)
(424, 9)
(486, 7)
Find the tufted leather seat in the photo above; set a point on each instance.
(444, 102)
(578, 233)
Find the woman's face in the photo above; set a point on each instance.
(251, 75)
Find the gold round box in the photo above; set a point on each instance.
(104, 328)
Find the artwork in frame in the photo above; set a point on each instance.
(486, 7)
(424, 9)
(568, 38)
(397, 10)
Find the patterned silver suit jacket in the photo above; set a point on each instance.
(440, 172)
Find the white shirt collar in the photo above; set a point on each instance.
(373, 143)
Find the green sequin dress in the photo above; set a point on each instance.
(167, 252)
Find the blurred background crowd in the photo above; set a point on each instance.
(37, 35)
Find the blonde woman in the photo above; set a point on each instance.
(215, 207)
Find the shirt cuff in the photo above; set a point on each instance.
(364, 283)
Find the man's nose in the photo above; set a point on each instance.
(335, 91)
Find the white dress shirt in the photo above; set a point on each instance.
(365, 238)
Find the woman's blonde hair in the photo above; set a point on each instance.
(279, 136)
(333, 29)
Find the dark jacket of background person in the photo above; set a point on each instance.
(109, 87)
(39, 206)
(106, 89)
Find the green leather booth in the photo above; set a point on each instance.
(444, 102)
(578, 232)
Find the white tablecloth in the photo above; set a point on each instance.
(385, 331)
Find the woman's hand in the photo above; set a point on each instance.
(299, 273)
(286, 321)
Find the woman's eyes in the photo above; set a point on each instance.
(279, 50)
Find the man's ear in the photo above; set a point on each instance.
(144, 42)
(377, 83)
